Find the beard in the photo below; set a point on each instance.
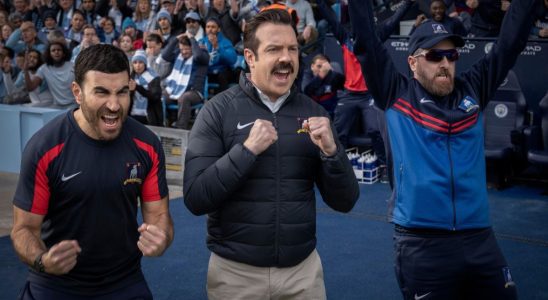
(436, 88)
(94, 118)
(192, 30)
(58, 63)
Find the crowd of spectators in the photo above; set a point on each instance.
(40, 40)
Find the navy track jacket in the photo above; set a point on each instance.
(437, 144)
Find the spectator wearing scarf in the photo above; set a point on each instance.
(185, 83)
(146, 92)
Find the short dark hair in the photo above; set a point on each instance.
(320, 56)
(432, 2)
(274, 16)
(79, 12)
(185, 40)
(89, 26)
(9, 52)
(154, 37)
(40, 59)
(103, 58)
(47, 54)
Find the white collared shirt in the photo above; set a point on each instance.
(273, 106)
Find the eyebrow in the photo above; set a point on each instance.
(100, 89)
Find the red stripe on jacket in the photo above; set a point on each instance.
(424, 119)
(151, 191)
(40, 200)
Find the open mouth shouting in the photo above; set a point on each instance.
(282, 71)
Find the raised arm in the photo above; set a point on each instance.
(386, 28)
(32, 83)
(200, 54)
(487, 74)
(329, 15)
(382, 77)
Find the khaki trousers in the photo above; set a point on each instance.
(227, 279)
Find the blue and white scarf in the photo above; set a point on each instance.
(140, 102)
(177, 81)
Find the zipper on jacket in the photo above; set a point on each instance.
(277, 157)
(452, 179)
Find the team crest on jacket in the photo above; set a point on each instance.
(438, 29)
(132, 173)
(468, 104)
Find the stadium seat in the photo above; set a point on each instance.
(505, 120)
(332, 49)
(538, 136)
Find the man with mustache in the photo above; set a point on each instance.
(82, 176)
(445, 247)
(255, 153)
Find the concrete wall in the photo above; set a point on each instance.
(18, 123)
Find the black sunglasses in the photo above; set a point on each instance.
(437, 55)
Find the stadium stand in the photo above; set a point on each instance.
(505, 116)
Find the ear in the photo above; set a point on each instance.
(249, 57)
(77, 92)
(412, 61)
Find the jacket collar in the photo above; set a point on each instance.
(249, 89)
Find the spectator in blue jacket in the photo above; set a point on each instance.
(222, 55)
(25, 37)
(445, 247)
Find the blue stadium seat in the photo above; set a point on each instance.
(505, 118)
(538, 154)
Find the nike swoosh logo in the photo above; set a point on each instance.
(240, 126)
(65, 178)
(426, 101)
(417, 297)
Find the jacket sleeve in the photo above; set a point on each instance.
(329, 15)
(154, 92)
(168, 53)
(382, 77)
(201, 56)
(211, 173)
(227, 52)
(312, 85)
(336, 181)
(14, 41)
(387, 27)
(486, 75)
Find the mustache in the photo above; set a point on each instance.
(105, 111)
(443, 72)
(283, 66)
